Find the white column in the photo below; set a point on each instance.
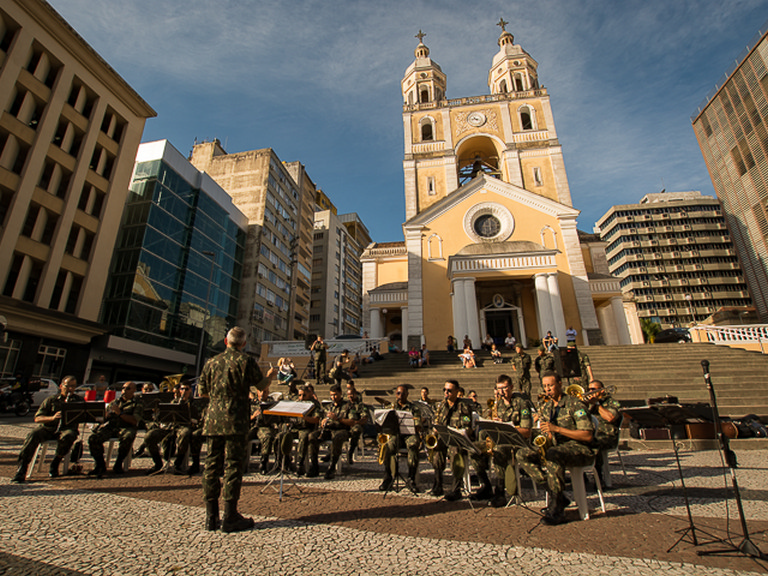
(544, 306)
(483, 326)
(557, 306)
(404, 324)
(377, 328)
(521, 322)
(607, 325)
(622, 327)
(459, 312)
(473, 321)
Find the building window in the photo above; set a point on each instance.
(527, 117)
(431, 186)
(537, 176)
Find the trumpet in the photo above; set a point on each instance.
(382, 439)
(588, 395)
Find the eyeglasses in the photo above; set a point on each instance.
(185, 388)
(448, 390)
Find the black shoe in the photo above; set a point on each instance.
(21, 474)
(212, 515)
(300, 470)
(499, 501)
(350, 460)
(326, 458)
(410, 483)
(98, 472)
(237, 523)
(330, 474)
(485, 493)
(176, 471)
(453, 496)
(156, 468)
(53, 471)
(437, 490)
(554, 519)
(118, 469)
(387, 484)
(194, 469)
(314, 471)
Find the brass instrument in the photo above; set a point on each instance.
(599, 393)
(382, 439)
(489, 445)
(170, 381)
(431, 440)
(575, 390)
(543, 442)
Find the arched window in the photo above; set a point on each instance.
(435, 247)
(527, 118)
(424, 95)
(503, 87)
(426, 131)
(519, 83)
(410, 98)
(548, 230)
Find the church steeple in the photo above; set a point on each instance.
(423, 81)
(513, 69)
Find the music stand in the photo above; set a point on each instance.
(666, 416)
(397, 423)
(454, 437)
(81, 412)
(286, 409)
(173, 415)
(150, 400)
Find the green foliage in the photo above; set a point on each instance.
(650, 329)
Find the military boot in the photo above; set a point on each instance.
(410, 482)
(233, 521)
(53, 471)
(264, 465)
(499, 499)
(158, 465)
(437, 486)
(330, 474)
(212, 515)
(122, 454)
(21, 472)
(486, 490)
(455, 491)
(352, 447)
(314, 467)
(195, 467)
(101, 466)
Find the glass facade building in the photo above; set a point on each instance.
(178, 262)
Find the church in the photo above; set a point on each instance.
(491, 244)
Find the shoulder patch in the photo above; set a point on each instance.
(525, 412)
(580, 413)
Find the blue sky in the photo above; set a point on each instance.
(319, 82)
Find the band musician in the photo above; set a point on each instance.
(516, 409)
(122, 420)
(566, 425)
(51, 427)
(335, 427)
(605, 409)
(410, 442)
(302, 428)
(456, 413)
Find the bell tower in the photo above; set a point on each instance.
(513, 69)
(424, 81)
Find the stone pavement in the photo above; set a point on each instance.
(138, 525)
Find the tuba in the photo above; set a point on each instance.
(170, 381)
(575, 390)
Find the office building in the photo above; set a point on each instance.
(176, 270)
(731, 126)
(675, 257)
(69, 132)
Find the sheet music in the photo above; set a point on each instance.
(290, 409)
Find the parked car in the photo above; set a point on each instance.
(41, 389)
(673, 335)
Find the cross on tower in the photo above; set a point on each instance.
(503, 24)
(420, 36)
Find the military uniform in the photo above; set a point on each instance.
(115, 426)
(65, 436)
(318, 350)
(265, 428)
(357, 411)
(584, 365)
(335, 430)
(410, 442)
(518, 413)
(309, 440)
(457, 416)
(226, 379)
(569, 413)
(544, 364)
(607, 433)
(522, 362)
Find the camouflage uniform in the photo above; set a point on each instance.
(458, 416)
(607, 433)
(545, 363)
(522, 362)
(264, 427)
(320, 355)
(518, 413)
(45, 432)
(335, 431)
(357, 411)
(582, 381)
(115, 426)
(186, 436)
(226, 379)
(309, 439)
(410, 442)
(570, 413)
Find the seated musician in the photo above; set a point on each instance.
(358, 412)
(148, 419)
(123, 416)
(411, 442)
(302, 428)
(565, 422)
(51, 428)
(264, 428)
(606, 409)
(335, 427)
(186, 435)
(456, 413)
(516, 409)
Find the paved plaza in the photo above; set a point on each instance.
(139, 525)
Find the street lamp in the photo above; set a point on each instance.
(199, 361)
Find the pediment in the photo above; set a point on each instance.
(478, 188)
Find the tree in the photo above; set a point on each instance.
(650, 329)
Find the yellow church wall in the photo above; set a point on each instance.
(438, 134)
(515, 105)
(548, 189)
(437, 173)
(391, 271)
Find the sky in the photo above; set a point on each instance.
(318, 81)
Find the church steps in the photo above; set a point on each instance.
(740, 378)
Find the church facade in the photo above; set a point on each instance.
(491, 244)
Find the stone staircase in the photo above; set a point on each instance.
(739, 377)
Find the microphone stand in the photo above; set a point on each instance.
(746, 546)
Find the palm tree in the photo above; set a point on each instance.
(650, 329)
